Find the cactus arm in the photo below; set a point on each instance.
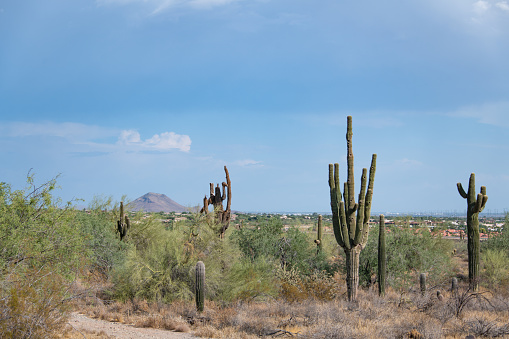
(461, 190)
(121, 212)
(335, 204)
(229, 191)
(360, 211)
(223, 196)
(367, 203)
(484, 198)
(344, 226)
(478, 203)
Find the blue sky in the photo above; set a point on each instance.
(136, 96)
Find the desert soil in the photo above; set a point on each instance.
(87, 325)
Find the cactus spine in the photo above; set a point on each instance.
(382, 269)
(350, 219)
(318, 241)
(422, 283)
(475, 205)
(200, 286)
(123, 223)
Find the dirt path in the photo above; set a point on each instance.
(84, 324)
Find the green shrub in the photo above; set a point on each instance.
(495, 264)
(292, 249)
(41, 252)
(98, 228)
(409, 251)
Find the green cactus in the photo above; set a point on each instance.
(123, 224)
(350, 219)
(318, 240)
(422, 283)
(475, 205)
(382, 257)
(200, 286)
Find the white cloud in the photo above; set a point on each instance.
(129, 136)
(67, 130)
(161, 142)
(158, 6)
(75, 133)
(495, 113)
(503, 5)
(206, 4)
(247, 162)
(481, 6)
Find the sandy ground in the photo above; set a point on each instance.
(122, 331)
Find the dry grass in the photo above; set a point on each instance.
(408, 315)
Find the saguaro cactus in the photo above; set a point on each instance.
(123, 223)
(422, 283)
(350, 219)
(382, 257)
(475, 205)
(318, 240)
(200, 286)
(454, 286)
(223, 216)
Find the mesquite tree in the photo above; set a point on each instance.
(350, 219)
(216, 199)
(475, 205)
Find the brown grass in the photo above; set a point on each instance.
(397, 315)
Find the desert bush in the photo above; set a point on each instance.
(159, 264)
(495, 265)
(291, 249)
(41, 253)
(319, 285)
(98, 228)
(408, 251)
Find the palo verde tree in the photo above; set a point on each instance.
(350, 219)
(216, 199)
(475, 205)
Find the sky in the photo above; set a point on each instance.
(125, 97)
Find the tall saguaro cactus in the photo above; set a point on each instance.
(475, 205)
(123, 223)
(382, 257)
(319, 231)
(350, 219)
(216, 199)
(200, 286)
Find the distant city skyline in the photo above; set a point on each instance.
(128, 97)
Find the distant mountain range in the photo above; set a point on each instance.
(156, 202)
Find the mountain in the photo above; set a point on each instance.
(155, 202)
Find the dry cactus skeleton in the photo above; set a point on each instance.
(216, 199)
